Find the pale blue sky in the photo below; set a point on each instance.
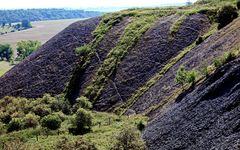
(10, 4)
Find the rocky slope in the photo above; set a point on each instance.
(207, 118)
(127, 64)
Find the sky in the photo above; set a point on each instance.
(14, 4)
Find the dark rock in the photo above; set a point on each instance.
(207, 118)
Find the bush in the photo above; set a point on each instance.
(226, 15)
(2, 128)
(15, 125)
(128, 139)
(238, 4)
(41, 110)
(5, 118)
(31, 121)
(183, 76)
(82, 122)
(141, 126)
(79, 144)
(52, 122)
(82, 102)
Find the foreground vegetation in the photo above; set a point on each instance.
(51, 122)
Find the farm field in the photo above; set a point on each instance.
(41, 31)
(4, 67)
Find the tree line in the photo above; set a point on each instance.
(11, 16)
(24, 49)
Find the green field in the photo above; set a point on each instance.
(4, 67)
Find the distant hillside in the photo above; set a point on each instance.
(10, 16)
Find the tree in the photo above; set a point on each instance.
(226, 15)
(6, 52)
(26, 24)
(52, 122)
(25, 48)
(82, 122)
(128, 139)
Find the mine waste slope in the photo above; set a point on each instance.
(126, 63)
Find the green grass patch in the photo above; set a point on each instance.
(4, 67)
(106, 126)
(176, 26)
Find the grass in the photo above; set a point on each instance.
(4, 67)
(102, 136)
(176, 26)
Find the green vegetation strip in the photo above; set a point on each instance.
(124, 107)
(131, 101)
(141, 22)
(176, 26)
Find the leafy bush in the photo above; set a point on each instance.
(183, 76)
(82, 102)
(41, 110)
(79, 144)
(31, 121)
(15, 124)
(25, 48)
(5, 117)
(82, 122)
(52, 122)
(128, 139)
(226, 15)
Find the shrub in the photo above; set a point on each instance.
(5, 117)
(82, 102)
(41, 110)
(199, 40)
(238, 4)
(128, 139)
(52, 122)
(79, 144)
(225, 15)
(141, 126)
(207, 70)
(183, 76)
(82, 122)
(31, 121)
(191, 76)
(2, 128)
(15, 125)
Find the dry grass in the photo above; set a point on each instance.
(4, 67)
